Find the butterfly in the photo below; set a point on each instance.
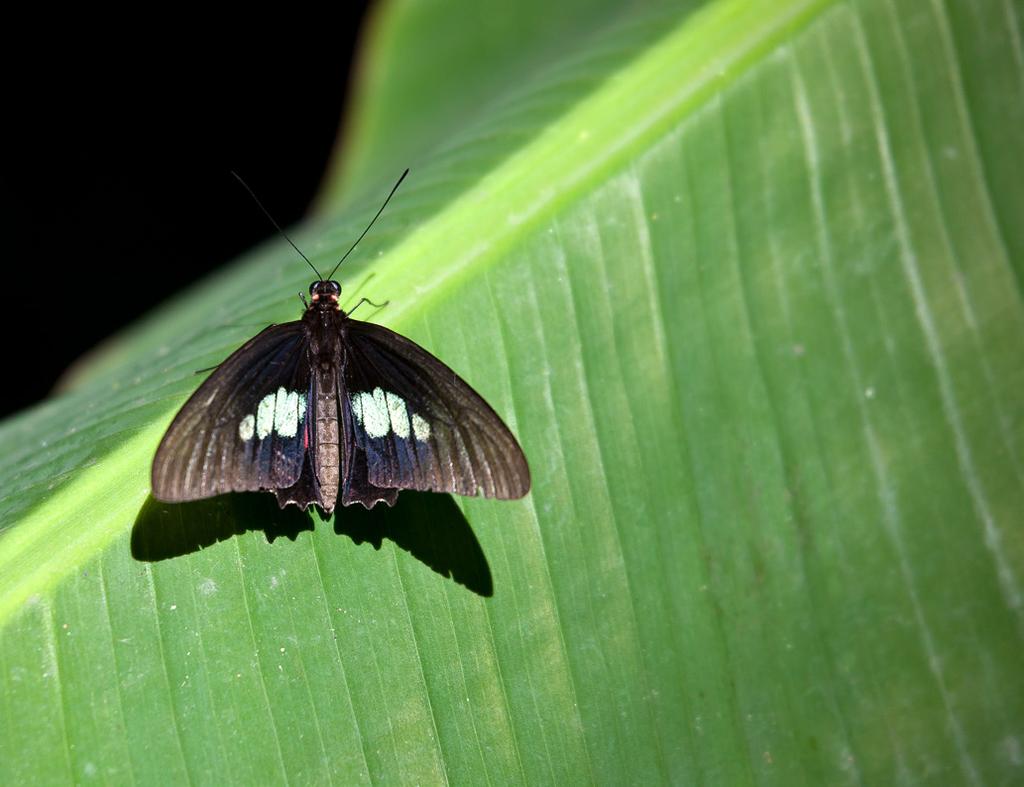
(330, 409)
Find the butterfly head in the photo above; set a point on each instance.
(324, 294)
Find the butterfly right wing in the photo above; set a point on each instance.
(245, 428)
(412, 423)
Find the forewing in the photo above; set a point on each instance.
(413, 423)
(244, 429)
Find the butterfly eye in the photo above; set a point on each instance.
(312, 288)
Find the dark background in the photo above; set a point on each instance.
(115, 183)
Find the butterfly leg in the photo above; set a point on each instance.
(361, 301)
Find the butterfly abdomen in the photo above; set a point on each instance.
(326, 454)
(322, 327)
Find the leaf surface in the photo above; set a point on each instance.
(745, 280)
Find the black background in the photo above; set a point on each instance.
(115, 181)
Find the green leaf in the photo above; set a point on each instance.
(745, 278)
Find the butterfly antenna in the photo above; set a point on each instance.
(393, 190)
(276, 225)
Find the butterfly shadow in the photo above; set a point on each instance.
(430, 527)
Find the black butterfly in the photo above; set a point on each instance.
(330, 408)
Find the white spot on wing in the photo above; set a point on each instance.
(398, 415)
(286, 413)
(374, 405)
(420, 428)
(265, 415)
(282, 410)
(380, 412)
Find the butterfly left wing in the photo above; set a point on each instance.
(410, 422)
(245, 427)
